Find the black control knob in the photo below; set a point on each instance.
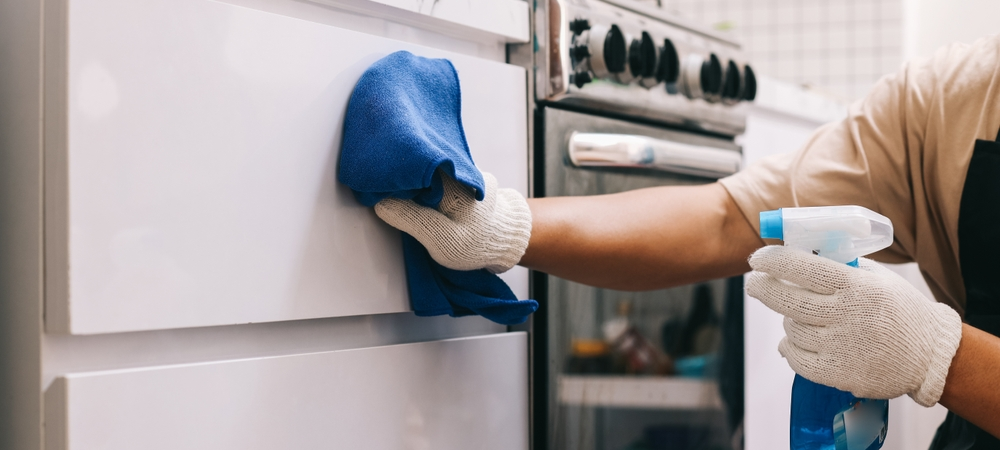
(731, 87)
(711, 75)
(614, 50)
(580, 78)
(670, 63)
(579, 52)
(578, 26)
(642, 57)
(749, 84)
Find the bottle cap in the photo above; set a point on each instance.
(770, 225)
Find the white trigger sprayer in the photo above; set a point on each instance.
(825, 418)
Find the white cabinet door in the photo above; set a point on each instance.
(457, 394)
(191, 154)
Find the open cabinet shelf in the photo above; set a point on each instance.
(672, 393)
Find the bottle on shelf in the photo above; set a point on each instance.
(632, 353)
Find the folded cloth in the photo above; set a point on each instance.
(402, 132)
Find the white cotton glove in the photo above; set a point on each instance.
(465, 234)
(863, 330)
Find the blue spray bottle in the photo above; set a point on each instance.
(825, 418)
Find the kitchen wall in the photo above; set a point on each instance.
(930, 24)
(840, 48)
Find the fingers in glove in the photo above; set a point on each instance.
(877, 269)
(796, 302)
(413, 219)
(804, 336)
(460, 199)
(803, 362)
(802, 268)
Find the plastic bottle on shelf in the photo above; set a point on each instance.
(822, 417)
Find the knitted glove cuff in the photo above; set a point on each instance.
(514, 230)
(948, 331)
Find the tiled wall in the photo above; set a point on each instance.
(841, 46)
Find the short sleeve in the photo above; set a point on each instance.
(860, 160)
(904, 151)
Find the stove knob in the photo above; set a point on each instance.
(700, 77)
(749, 84)
(579, 53)
(633, 62)
(607, 50)
(642, 57)
(731, 85)
(580, 79)
(614, 50)
(711, 77)
(670, 63)
(578, 26)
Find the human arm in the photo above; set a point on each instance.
(637, 240)
(972, 389)
(640, 240)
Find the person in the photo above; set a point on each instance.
(923, 148)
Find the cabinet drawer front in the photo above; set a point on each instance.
(458, 394)
(191, 154)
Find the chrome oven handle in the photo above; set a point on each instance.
(624, 150)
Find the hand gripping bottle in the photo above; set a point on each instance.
(825, 418)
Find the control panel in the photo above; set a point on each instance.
(630, 58)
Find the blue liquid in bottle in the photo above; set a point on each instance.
(826, 418)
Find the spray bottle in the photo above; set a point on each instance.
(825, 418)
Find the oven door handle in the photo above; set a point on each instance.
(625, 150)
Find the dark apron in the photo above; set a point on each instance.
(979, 256)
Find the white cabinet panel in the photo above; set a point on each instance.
(457, 394)
(191, 154)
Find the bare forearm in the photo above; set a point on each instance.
(972, 389)
(640, 240)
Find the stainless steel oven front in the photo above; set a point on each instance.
(629, 97)
(618, 370)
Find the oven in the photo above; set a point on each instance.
(629, 97)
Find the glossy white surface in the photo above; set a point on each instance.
(65, 353)
(457, 394)
(201, 153)
(506, 19)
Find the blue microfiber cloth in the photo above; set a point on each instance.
(403, 129)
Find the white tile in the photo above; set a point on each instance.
(814, 69)
(890, 35)
(837, 12)
(786, 14)
(865, 66)
(761, 16)
(839, 67)
(838, 37)
(813, 13)
(865, 36)
(891, 10)
(865, 11)
(786, 41)
(813, 39)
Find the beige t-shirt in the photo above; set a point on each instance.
(903, 151)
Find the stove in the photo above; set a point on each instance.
(631, 58)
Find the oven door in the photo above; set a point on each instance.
(633, 370)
